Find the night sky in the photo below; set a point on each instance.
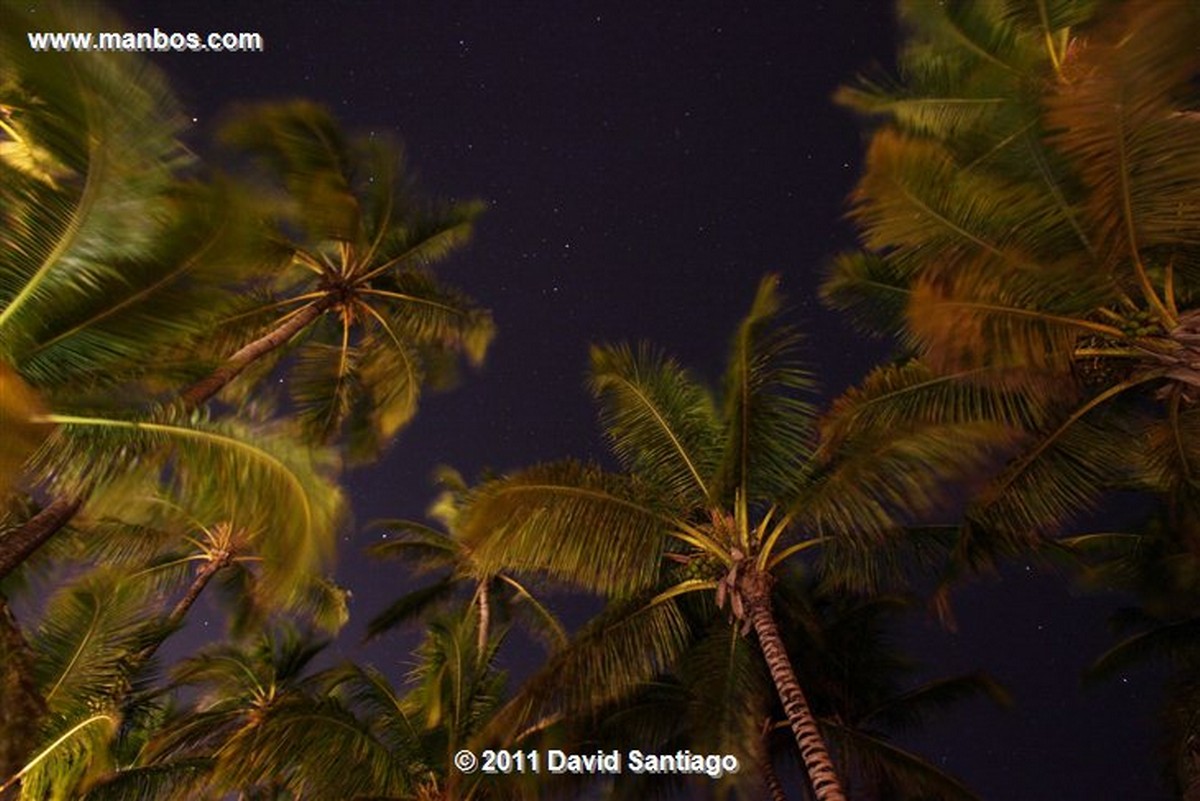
(645, 163)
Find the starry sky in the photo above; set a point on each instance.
(644, 164)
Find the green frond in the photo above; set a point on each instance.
(1117, 117)
(610, 657)
(160, 782)
(894, 767)
(869, 289)
(303, 145)
(1015, 319)
(324, 386)
(1063, 470)
(415, 543)
(424, 311)
(73, 754)
(728, 690)
(660, 421)
(86, 642)
(323, 750)
(910, 393)
(875, 486)
(111, 136)
(387, 390)
(368, 692)
(285, 495)
(573, 522)
(411, 606)
(134, 316)
(769, 420)
(928, 213)
(536, 617)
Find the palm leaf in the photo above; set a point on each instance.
(285, 496)
(168, 780)
(613, 655)
(870, 289)
(659, 421)
(909, 392)
(1115, 117)
(573, 522)
(1172, 640)
(896, 767)
(1015, 319)
(411, 606)
(874, 486)
(769, 425)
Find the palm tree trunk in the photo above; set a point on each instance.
(755, 587)
(485, 618)
(23, 542)
(205, 388)
(21, 705)
(203, 576)
(771, 779)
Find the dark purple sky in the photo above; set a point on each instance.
(645, 163)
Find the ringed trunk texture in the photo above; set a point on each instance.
(771, 779)
(22, 543)
(756, 590)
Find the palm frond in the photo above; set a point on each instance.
(921, 208)
(1015, 319)
(1167, 641)
(914, 707)
(770, 425)
(870, 289)
(1063, 469)
(285, 493)
(422, 310)
(159, 782)
(894, 767)
(302, 144)
(613, 655)
(575, 523)
(411, 606)
(875, 486)
(86, 642)
(659, 421)
(1116, 117)
(909, 392)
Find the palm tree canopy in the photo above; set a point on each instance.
(1029, 220)
(354, 244)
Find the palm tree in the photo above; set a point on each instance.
(374, 324)
(97, 639)
(1029, 218)
(107, 260)
(264, 724)
(429, 549)
(729, 489)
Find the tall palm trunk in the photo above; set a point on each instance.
(21, 706)
(203, 576)
(755, 587)
(485, 618)
(771, 778)
(23, 542)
